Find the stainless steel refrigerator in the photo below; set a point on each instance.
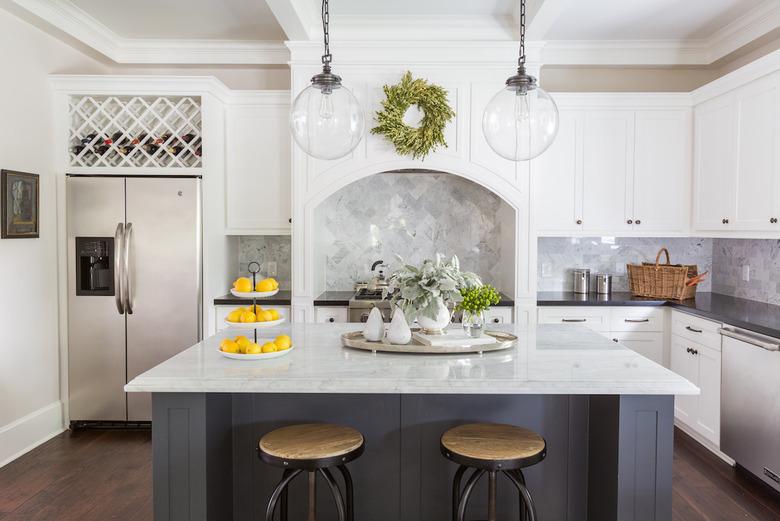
(134, 286)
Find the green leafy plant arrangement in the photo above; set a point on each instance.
(432, 100)
(415, 289)
(478, 298)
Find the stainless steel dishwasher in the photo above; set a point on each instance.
(750, 402)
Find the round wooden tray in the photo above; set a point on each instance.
(355, 340)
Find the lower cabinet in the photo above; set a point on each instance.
(332, 315)
(649, 345)
(701, 365)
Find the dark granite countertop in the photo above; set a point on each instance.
(283, 298)
(747, 314)
(341, 298)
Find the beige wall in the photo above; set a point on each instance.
(29, 360)
(559, 78)
(250, 77)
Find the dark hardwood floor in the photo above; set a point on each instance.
(93, 475)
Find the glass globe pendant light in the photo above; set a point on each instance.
(326, 119)
(521, 120)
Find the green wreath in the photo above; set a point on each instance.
(432, 100)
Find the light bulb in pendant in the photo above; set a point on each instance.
(326, 106)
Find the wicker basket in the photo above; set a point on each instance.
(658, 280)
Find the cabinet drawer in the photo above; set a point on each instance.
(502, 315)
(700, 330)
(649, 345)
(649, 319)
(326, 315)
(596, 318)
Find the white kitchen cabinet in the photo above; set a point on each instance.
(662, 171)
(257, 163)
(757, 176)
(714, 152)
(648, 344)
(499, 315)
(596, 318)
(686, 365)
(607, 169)
(330, 315)
(614, 171)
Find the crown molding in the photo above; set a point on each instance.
(754, 24)
(67, 17)
(752, 71)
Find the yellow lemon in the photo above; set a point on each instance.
(267, 316)
(248, 317)
(239, 338)
(265, 285)
(242, 342)
(273, 281)
(255, 309)
(283, 342)
(229, 346)
(235, 316)
(243, 285)
(269, 347)
(274, 314)
(253, 349)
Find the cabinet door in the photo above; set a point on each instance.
(714, 165)
(330, 315)
(708, 418)
(662, 171)
(649, 345)
(557, 179)
(686, 365)
(757, 168)
(607, 168)
(258, 169)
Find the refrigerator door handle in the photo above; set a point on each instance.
(127, 268)
(118, 259)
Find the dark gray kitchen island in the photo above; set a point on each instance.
(606, 414)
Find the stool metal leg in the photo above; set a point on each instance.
(269, 513)
(464, 498)
(350, 497)
(334, 489)
(456, 482)
(283, 498)
(524, 494)
(312, 516)
(492, 495)
(519, 475)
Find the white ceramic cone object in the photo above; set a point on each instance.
(374, 329)
(399, 331)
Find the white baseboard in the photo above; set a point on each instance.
(26, 433)
(707, 444)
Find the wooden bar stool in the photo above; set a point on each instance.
(491, 448)
(315, 448)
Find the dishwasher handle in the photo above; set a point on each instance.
(764, 342)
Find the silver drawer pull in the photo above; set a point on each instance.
(574, 320)
(689, 328)
(750, 339)
(637, 320)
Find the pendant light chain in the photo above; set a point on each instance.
(326, 58)
(521, 59)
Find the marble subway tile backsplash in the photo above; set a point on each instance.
(730, 256)
(557, 256)
(264, 249)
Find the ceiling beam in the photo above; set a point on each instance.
(543, 17)
(299, 19)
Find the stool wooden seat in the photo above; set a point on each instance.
(315, 448)
(492, 448)
(493, 445)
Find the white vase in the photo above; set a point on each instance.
(374, 330)
(399, 331)
(435, 326)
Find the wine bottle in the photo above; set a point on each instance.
(187, 138)
(86, 140)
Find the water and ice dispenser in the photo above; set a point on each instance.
(95, 266)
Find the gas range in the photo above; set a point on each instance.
(364, 300)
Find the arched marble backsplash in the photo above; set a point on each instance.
(414, 215)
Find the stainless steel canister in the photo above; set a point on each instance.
(603, 283)
(582, 280)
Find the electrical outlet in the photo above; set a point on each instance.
(620, 268)
(546, 269)
(746, 273)
(270, 268)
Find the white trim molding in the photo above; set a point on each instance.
(754, 70)
(26, 433)
(67, 17)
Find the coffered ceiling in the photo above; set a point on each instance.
(574, 32)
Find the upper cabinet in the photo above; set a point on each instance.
(615, 171)
(736, 174)
(257, 166)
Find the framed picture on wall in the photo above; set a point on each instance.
(19, 200)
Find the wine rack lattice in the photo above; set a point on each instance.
(135, 131)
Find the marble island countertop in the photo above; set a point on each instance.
(549, 359)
